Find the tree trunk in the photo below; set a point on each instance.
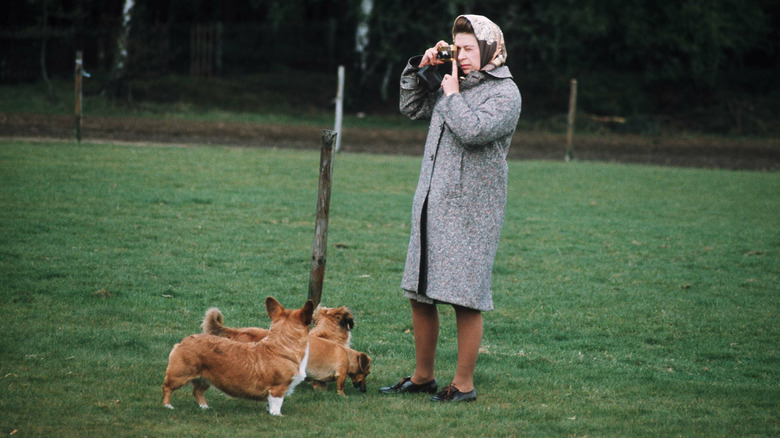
(362, 38)
(117, 82)
(50, 88)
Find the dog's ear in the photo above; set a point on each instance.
(272, 306)
(365, 362)
(348, 323)
(306, 312)
(344, 316)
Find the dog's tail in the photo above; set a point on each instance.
(212, 322)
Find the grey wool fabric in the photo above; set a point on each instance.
(458, 207)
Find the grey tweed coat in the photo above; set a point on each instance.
(458, 207)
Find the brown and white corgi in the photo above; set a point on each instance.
(265, 370)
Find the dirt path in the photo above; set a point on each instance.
(760, 154)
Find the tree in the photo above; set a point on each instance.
(362, 36)
(45, 24)
(117, 83)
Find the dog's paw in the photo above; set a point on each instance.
(168, 406)
(275, 405)
(204, 406)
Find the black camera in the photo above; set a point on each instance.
(431, 77)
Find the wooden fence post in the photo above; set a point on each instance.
(570, 130)
(79, 70)
(319, 250)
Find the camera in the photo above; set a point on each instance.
(432, 75)
(447, 53)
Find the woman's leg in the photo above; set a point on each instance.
(425, 321)
(469, 322)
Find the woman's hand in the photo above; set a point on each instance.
(450, 84)
(429, 58)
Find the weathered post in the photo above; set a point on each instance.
(319, 250)
(79, 73)
(570, 130)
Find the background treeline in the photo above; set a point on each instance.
(713, 63)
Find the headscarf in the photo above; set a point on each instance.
(492, 50)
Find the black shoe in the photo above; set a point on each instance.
(406, 386)
(451, 394)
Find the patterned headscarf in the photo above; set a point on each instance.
(492, 50)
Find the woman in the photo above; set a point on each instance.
(458, 207)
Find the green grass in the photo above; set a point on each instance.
(630, 300)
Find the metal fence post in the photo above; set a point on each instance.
(339, 106)
(79, 73)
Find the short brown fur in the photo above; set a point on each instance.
(329, 362)
(334, 324)
(212, 325)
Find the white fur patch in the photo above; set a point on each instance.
(169, 406)
(298, 378)
(349, 339)
(275, 405)
(204, 406)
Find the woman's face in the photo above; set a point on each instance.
(468, 52)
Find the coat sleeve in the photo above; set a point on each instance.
(494, 118)
(416, 101)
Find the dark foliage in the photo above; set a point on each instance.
(631, 57)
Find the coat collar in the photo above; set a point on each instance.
(477, 77)
(500, 72)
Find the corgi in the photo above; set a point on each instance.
(268, 369)
(329, 359)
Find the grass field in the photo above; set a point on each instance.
(630, 300)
